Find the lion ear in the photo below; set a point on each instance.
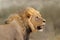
(28, 15)
(29, 12)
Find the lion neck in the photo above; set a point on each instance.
(26, 30)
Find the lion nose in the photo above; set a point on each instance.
(44, 20)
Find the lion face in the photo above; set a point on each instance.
(35, 20)
(38, 22)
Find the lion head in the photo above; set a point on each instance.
(34, 19)
(31, 19)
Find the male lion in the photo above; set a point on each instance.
(30, 20)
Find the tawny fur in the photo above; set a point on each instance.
(11, 31)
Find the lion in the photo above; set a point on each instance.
(30, 20)
(30, 17)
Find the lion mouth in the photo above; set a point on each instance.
(39, 28)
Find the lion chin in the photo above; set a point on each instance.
(41, 30)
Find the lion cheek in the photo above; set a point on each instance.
(31, 26)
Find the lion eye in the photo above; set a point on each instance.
(37, 18)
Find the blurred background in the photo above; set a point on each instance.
(50, 10)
